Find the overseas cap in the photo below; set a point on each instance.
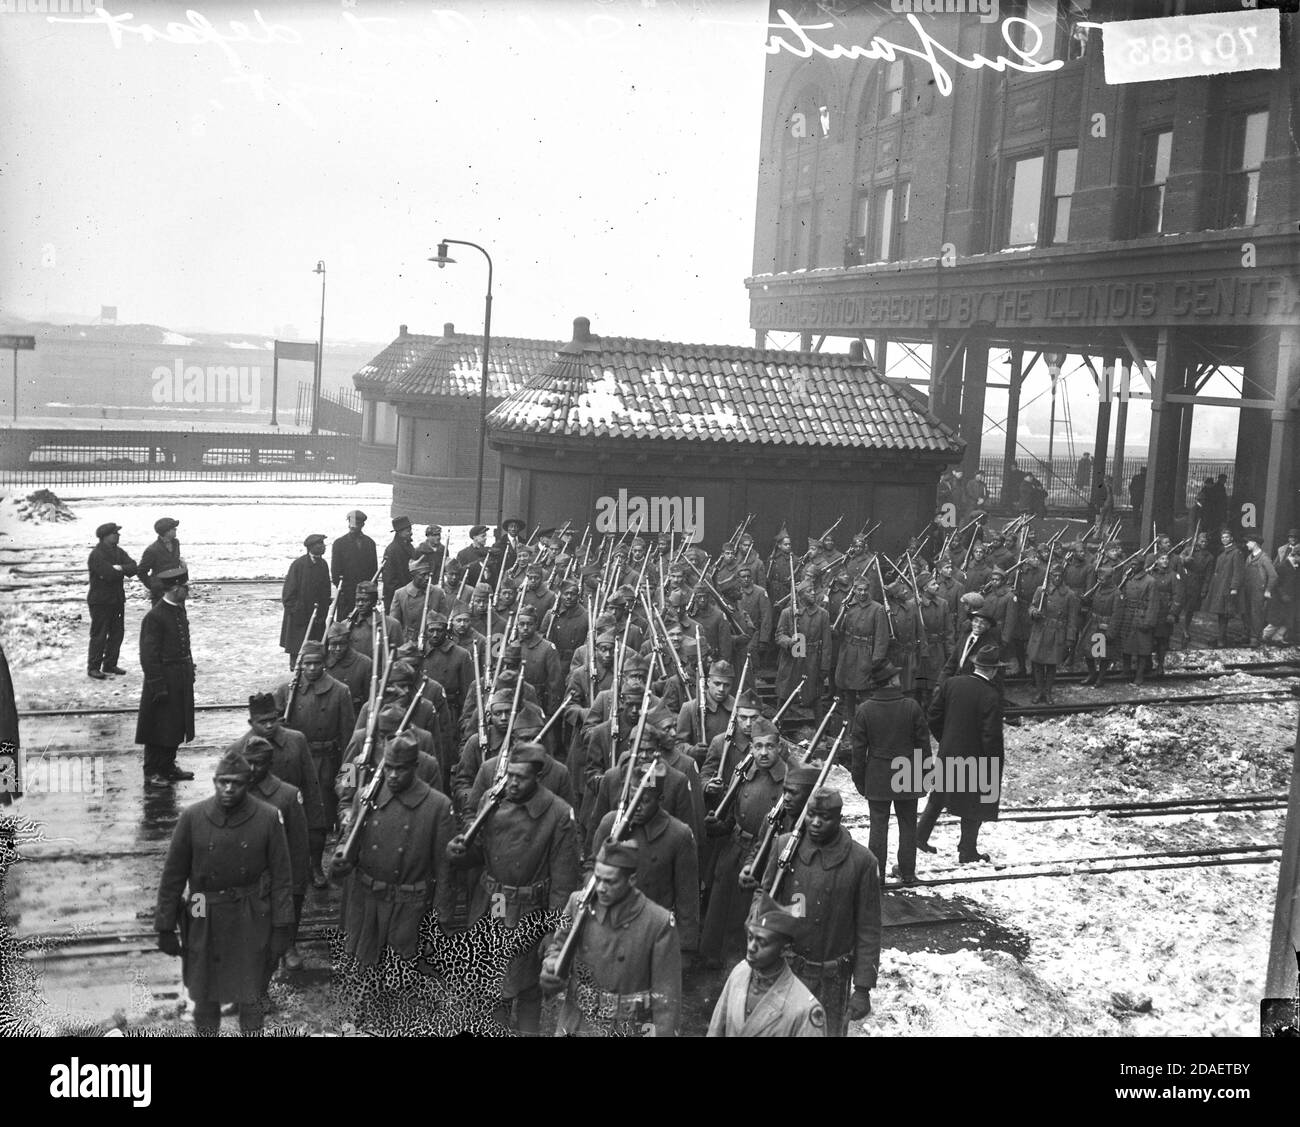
(803, 776)
(768, 915)
(402, 750)
(529, 753)
(262, 704)
(232, 763)
(621, 854)
(311, 649)
(826, 798)
(390, 718)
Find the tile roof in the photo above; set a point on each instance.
(394, 361)
(453, 366)
(621, 388)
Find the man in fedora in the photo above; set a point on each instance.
(889, 730)
(166, 717)
(397, 559)
(109, 566)
(966, 718)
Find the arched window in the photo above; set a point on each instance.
(883, 190)
(806, 128)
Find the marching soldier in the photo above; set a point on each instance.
(361, 622)
(1170, 590)
(536, 594)
(630, 949)
(1102, 608)
(540, 663)
(446, 663)
(864, 640)
(715, 630)
(321, 709)
(838, 955)
(1198, 564)
(237, 917)
(804, 640)
(402, 863)
(109, 566)
(753, 604)
(166, 716)
(306, 589)
(778, 570)
(529, 853)
(756, 791)
(904, 638)
(287, 799)
(291, 761)
(679, 796)
(408, 602)
(716, 707)
(397, 560)
(554, 776)
(1055, 617)
(346, 665)
(566, 628)
(1139, 606)
(762, 997)
(353, 559)
(356, 768)
(668, 868)
(164, 554)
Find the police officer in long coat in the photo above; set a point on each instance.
(306, 589)
(230, 858)
(630, 952)
(109, 567)
(166, 718)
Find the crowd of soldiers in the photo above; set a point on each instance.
(566, 724)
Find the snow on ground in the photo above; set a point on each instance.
(1157, 953)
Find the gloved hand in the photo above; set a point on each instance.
(456, 847)
(169, 943)
(339, 868)
(859, 1004)
(281, 937)
(550, 982)
(747, 880)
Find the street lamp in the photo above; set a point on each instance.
(442, 259)
(320, 352)
(1054, 362)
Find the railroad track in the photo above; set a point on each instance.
(1207, 858)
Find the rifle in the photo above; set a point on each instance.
(636, 740)
(479, 675)
(1041, 596)
(699, 681)
(424, 614)
(789, 701)
(297, 666)
(591, 653)
(346, 852)
(503, 758)
(773, 822)
(733, 787)
(730, 734)
(922, 642)
(785, 863)
(884, 598)
(582, 908)
(410, 708)
(657, 619)
(334, 606)
(569, 696)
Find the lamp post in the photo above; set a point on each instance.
(442, 259)
(1054, 362)
(320, 352)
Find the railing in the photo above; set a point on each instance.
(340, 411)
(1065, 490)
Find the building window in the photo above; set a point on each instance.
(803, 158)
(1036, 38)
(1023, 202)
(1246, 137)
(893, 88)
(1062, 190)
(1153, 174)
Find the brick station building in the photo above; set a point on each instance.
(613, 427)
(377, 452)
(1149, 227)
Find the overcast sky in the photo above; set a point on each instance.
(605, 153)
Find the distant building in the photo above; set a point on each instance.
(1149, 226)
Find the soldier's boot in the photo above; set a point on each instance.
(1037, 698)
(1051, 682)
(1161, 651)
(1128, 668)
(1093, 672)
(1141, 670)
(1102, 666)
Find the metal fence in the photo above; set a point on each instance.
(340, 411)
(1065, 488)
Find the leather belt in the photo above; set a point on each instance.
(523, 893)
(322, 747)
(832, 967)
(259, 887)
(386, 888)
